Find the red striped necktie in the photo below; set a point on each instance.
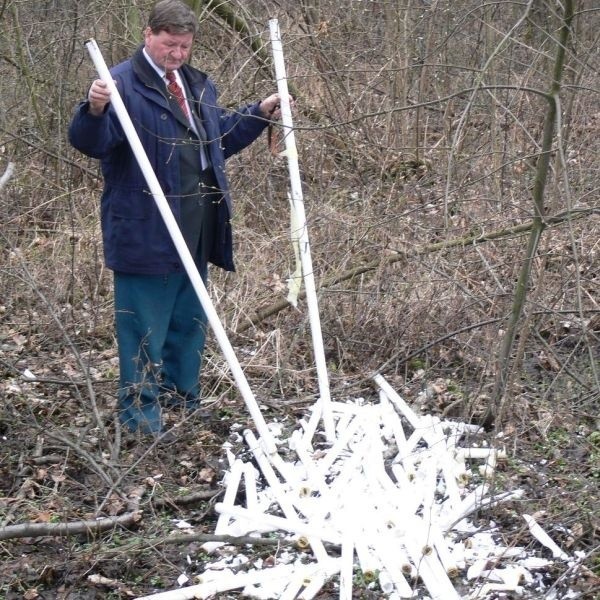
(175, 89)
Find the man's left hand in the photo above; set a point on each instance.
(271, 107)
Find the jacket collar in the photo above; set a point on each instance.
(143, 70)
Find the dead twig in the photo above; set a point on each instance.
(198, 496)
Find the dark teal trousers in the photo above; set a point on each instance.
(161, 330)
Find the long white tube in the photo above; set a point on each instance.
(367, 561)
(541, 536)
(233, 484)
(298, 204)
(250, 482)
(308, 530)
(473, 501)
(227, 581)
(293, 587)
(310, 427)
(313, 587)
(180, 245)
(390, 418)
(315, 582)
(429, 567)
(346, 566)
(406, 410)
(391, 562)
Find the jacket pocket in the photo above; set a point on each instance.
(130, 203)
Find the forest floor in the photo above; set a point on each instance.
(58, 466)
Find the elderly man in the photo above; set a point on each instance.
(160, 324)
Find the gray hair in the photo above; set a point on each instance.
(173, 16)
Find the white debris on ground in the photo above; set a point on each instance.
(386, 504)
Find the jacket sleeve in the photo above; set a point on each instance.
(239, 128)
(95, 136)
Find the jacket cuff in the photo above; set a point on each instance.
(254, 110)
(84, 109)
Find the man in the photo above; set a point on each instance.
(160, 324)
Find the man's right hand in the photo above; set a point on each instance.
(98, 97)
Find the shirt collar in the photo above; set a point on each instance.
(161, 72)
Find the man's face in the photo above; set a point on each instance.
(168, 50)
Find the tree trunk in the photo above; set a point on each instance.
(538, 225)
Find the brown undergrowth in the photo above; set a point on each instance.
(430, 320)
(418, 196)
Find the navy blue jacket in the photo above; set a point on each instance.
(135, 237)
